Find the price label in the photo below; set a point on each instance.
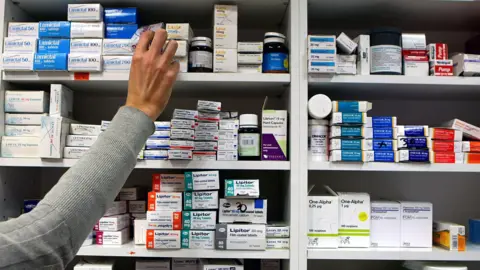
(81, 76)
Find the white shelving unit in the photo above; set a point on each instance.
(392, 167)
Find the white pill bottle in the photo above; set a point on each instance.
(318, 140)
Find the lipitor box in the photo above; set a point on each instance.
(468, 130)
(131, 194)
(199, 200)
(113, 223)
(158, 201)
(51, 45)
(74, 152)
(180, 31)
(274, 134)
(26, 101)
(117, 63)
(240, 237)
(323, 221)
(83, 129)
(85, 62)
(11, 130)
(202, 180)
(117, 208)
(164, 220)
(163, 239)
(87, 30)
(225, 60)
(140, 231)
(61, 102)
(53, 134)
(449, 236)
(50, 62)
(242, 188)
(278, 243)
(113, 46)
(199, 220)
(18, 62)
(198, 239)
(20, 147)
(162, 182)
(113, 237)
(416, 224)
(22, 29)
(85, 12)
(24, 119)
(137, 206)
(54, 29)
(157, 264)
(82, 45)
(385, 224)
(81, 140)
(225, 15)
(20, 45)
(251, 211)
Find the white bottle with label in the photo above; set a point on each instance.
(249, 138)
(318, 140)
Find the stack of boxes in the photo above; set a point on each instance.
(440, 65)
(183, 34)
(225, 31)
(228, 140)
(445, 145)
(278, 236)
(20, 46)
(322, 54)
(183, 134)
(114, 227)
(241, 205)
(157, 145)
(346, 63)
(413, 143)
(79, 134)
(121, 23)
(53, 46)
(250, 57)
(206, 132)
(415, 55)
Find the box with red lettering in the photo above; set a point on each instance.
(438, 51)
(441, 67)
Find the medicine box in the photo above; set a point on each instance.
(242, 188)
(20, 45)
(199, 220)
(414, 65)
(81, 140)
(185, 114)
(225, 15)
(278, 231)
(50, 62)
(225, 36)
(471, 146)
(278, 243)
(120, 31)
(160, 134)
(437, 51)
(163, 239)
(182, 49)
(449, 235)
(184, 264)
(164, 220)
(54, 29)
(323, 221)
(85, 12)
(53, 133)
(240, 237)
(250, 58)
(321, 42)
(11, 130)
(414, 42)
(227, 145)
(249, 69)
(83, 129)
(87, 30)
(446, 157)
(346, 44)
(61, 102)
(209, 106)
(321, 66)
(162, 182)
(26, 101)
(385, 222)
(131, 194)
(341, 118)
(140, 231)
(412, 131)
(182, 123)
(466, 65)
(113, 223)
(152, 144)
(351, 144)
(250, 47)
(85, 62)
(274, 134)
(202, 180)
(74, 152)
(22, 29)
(118, 63)
(182, 134)
(137, 206)
(416, 224)
(163, 264)
(117, 208)
(448, 134)
(155, 154)
(225, 60)
(183, 63)
(161, 201)
(351, 106)
(81, 45)
(117, 47)
(21, 147)
(198, 239)
(347, 64)
(204, 155)
(207, 126)
(54, 46)
(228, 134)
(227, 155)
(180, 31)
(363, 54)
(18, 62)
(322, 54)
(468, 130)
(162, 125)
(97, 266)
(206, 146)
(207, 264)
(354, 219)
(121, 15)
(24, 119)
(471, 158)
(206, 135)
(413, 155)
(181, 145)
(199, 200)
(112, 237)
(250, 211)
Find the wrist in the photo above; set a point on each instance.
(147, 110)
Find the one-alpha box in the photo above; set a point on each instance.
(416, 224)
(26, 101)
(199, 220)
(198, 239)
(198, 200)
(240, 237)
(163, 239)
(163, 182)
(164, 220)
(164, 201)
(385, 230)
(242, 188)
(61, 102)
(202, 180)
(53, 136)
(243, 210)
(323, 221)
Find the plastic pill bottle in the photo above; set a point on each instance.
(249, 138)
(318, 140)
(386, 51)
(275, 53)
(201, 55)
(319, 106)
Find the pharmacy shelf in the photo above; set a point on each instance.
(156, 164)
(216, 83)
(425, 254)
(431, 87)
(392, 167)
(132, 250)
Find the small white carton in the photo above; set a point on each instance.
(180, 154)
(83, 45)
(225, 60)
(385, 230)
(85, 62)
(85, 12)
(20, 45)
(363, 54)
(97, 266)
(198, 239)
(240, 237)
(184, 264)
(26, 101)
(131, 194)
(199, 220)
(163, 182)
(117, 63)
(217, 264)
(163, 264)
(11, 130)
(165, 201)
(250, 58)
(278, 231)
(74, 152)
(113, 46)
(117, 208)
(180, 31)
(113, 237)
(61, 101)
(53, 133)
(137, 206)
(184, 114)
(140, 231)
(228, 134)
(81, 140)
(346, 64)
(202, 180)
(23, 119)
(23, 29)
(225, 15)
(468, 130)
(416, 224)
(113, 223)
(466, 65)
(242, 188)
(209, 106)
(199, 200)
(87, 30)
(278, 243)
(227, 155)
(17, 61)
(323, 221)
(20, 147)
(164, 220)
(227, 146)
(162, 239)
(83, 129)
(181, 123)
(345, 44)
(251, 211)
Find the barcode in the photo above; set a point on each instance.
(455, 242)
(248, 142)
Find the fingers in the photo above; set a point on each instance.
(145, 40)
(169, 53)
(172, 73)
(158, 42)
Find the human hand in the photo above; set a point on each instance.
(152, 74)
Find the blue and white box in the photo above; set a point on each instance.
(53, 45)
(117, 47)
(50, 62)
(20, 45)
(22, 29)
(60, 29)
(155, 144)
(384, 145)
(84, 45)
(413, 156)
(85, 12)
(85, 62)
(413, 142)
(155, 154)
(412, 131)
(363, 156)
(119, 63)
(121, 15)
(347, 106)
(160, 134)
(339, 118)
(29, 205)
(328, 55)
(17, 61)
(88, 30)
(322, 66)
(382, 121)
(121, 31)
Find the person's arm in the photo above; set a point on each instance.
(53, 232)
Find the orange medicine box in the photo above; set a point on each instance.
(163, 239)
(447, 134)
(471, 158)
(162, 182)
(471, 147)
(161, 201)
(445, 146)
(448, 235)
(446, 157)
(164, 220)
